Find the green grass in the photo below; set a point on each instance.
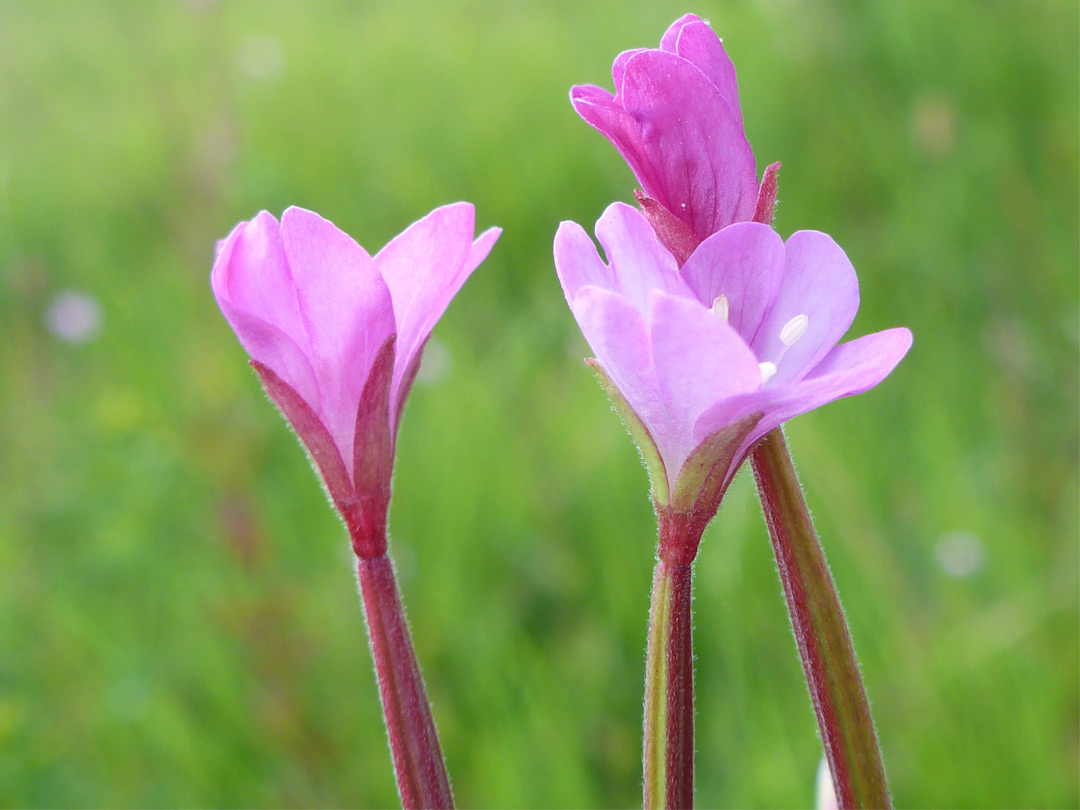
(178, 618)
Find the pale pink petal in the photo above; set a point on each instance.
(346, 309)
(744, 263)
(617, 333)
(695, 158)
(640, 264)
(234, 280)
(256, 275)
(850, 368)
(820, 283)
(699, 361)
(424, 267)
(577, 261)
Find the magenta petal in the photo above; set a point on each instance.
(699, 361)
(603, 113)
(820, 283)
(640, 264)
(618, 67)
(346, 309)
(424, 267)
(743, 262)
(578, 263)
(669, 41)
(696, 160)
(698, 43)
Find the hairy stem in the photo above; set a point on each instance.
(821, 633)
(414, 744)
(669, 692)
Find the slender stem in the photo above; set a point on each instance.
(669, 692)
(414, 743)
(828, 658)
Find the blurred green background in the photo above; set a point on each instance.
(179, 624)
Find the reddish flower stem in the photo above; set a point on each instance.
(669, 691)
(414, 743)
(821, 633)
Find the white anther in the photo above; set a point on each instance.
(720, 307)
(767, 371)
(794, 329)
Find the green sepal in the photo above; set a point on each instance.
(650, 456)
(703, 477)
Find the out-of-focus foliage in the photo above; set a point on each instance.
(178, 617)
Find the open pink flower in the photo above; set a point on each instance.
(675, 118)
(336, 335)
(708, 358)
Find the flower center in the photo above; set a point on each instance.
(720, 308)
(791, 333)
(793, 330)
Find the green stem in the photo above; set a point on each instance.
(822, 636)
(669, 692)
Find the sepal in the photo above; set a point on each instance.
(674, 234)
(650, 455)
(704, 476)
(373, 452)
(766, 200)
(318, 443)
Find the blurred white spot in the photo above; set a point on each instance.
(825, 794)
(73, 317)
(259, 56)
(960, 554)
(435, 363)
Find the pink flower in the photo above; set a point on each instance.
(336, 336)
(675, 118)
(704, 360)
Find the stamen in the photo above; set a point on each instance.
(720, 308)
(794, 329)
(767, 371)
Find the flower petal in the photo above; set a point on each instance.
(850, 368)
(820, 283)
(249, 254)
(250, 270)
(603, 113)
(699, 361)
(577, 261)
(669, 41)
(640, 263)
(346, 309)
(424, 266)
(743, 262)
(617, 333)
(695, 158)
(698, 43)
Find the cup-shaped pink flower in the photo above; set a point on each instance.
(704, 360)
(336, 336)
(675, 119)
